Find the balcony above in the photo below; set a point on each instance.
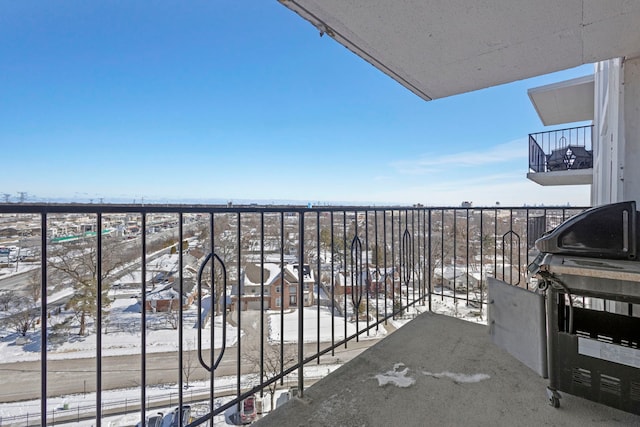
(561, 157)
(441, 48)
(564, 102)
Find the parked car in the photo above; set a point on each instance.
(199, 410)
(172, 419)
(152, 421)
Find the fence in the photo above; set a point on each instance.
(271, 288)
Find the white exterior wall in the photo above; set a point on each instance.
(616, 166)
(616, 147)
(631, 122)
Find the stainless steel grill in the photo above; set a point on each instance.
(588, 267)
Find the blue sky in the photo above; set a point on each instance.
(236, 100)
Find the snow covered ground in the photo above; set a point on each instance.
(122, 336)
(79, 404)
(310, 331)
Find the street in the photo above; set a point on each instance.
(21, 380)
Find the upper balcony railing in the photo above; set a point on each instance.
(209, 306)
(560, 150)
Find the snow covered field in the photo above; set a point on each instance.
(310, 332)
(122, 335)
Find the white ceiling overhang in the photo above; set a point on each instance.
(438, 48)
(564, 102)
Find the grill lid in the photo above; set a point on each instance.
(608, 231)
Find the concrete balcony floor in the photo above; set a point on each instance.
(455, 376)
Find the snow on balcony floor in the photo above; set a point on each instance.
(438, 370)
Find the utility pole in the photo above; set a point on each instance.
(22, 196)
(6, 196)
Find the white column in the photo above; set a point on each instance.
(616, 174)
(630, 130)
(605, 132)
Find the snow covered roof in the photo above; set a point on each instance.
(165, 292)
(306, 269)
(166, 262)
(449, 272)
(253, 273)
(253, 277)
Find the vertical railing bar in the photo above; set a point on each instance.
(402, 259)
(455, 254)
(442, 254)
(393, 260)
(411, 257)
(418, 267)
(281, 296)
(403, 255)
(318, 283)
(495, 245)
(358, 276)
(413, 254)
(344, 267)
(527, 241)
(467, 256)
(519, 258)
(300, 304)
(43, 316)
(384, 255)
(377, 257)
(367, 276)
(239, 308)
(212, 322)
(408, 257)
(262, 348)
(481, 259)
(99, 319)
(180, 313)
(143, 311)
(511, 247)
(333, 289)
(429, 262)
(420, 259)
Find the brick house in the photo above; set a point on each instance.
(280, 286)
(164, 298)
(376, 280)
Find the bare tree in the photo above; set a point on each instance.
(272, 365)
(6, 298)
(170, 316)
(188, 362)
(22, 313)
(34, 286)
(76, 263)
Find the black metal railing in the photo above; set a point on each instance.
(249, 279)
(562, 149)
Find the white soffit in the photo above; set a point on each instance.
(438, 48)
(564, 102)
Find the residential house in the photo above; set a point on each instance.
(373, 279)
(164, 299)
(280, 286)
